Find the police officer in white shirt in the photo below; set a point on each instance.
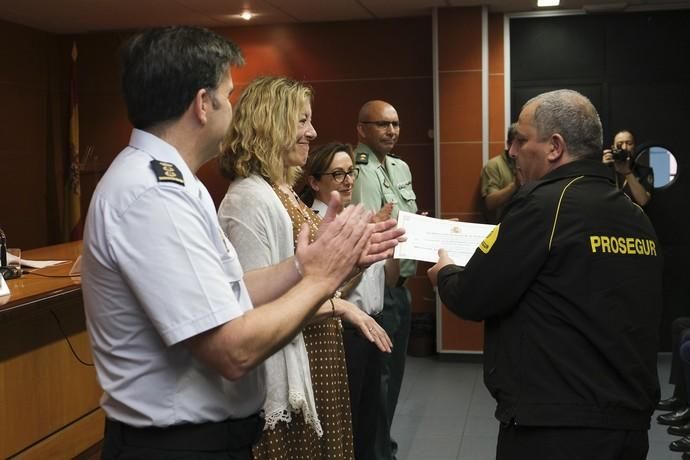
(177, 343)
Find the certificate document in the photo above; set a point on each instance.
(426, 235)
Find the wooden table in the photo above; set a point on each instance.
(48, 398)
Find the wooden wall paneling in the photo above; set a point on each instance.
(57, 139)
(462, 164)
(337, 50)
(23, 164)
(4, 418)
(99, 60)
(107, 131)
(459, 335)
(460, 105)
(103, 122)
(497, 128)
(44, 387)
(460, 38)
(496, 62)
(337, 105)
(461, 124)
(69, 442)
(23, 129)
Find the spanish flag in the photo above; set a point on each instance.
(73, 222)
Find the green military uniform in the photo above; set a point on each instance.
(376, 186)
(497, 174)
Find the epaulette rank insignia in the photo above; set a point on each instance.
(362, 158)
(167, 172)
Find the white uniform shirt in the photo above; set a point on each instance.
(157, 270)
(368, 294)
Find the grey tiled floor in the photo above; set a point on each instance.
(445, 413)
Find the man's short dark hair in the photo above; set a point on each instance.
(164, 68)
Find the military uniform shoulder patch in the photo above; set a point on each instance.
(362, 158)
(167, 172)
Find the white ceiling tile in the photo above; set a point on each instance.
(321, 11)
(400, 8)
(80, 16)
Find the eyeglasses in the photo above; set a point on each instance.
(383, 124)
(339, 176)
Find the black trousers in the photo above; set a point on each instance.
(549, 443)
(364, 379)
(395, 319)
(679, 328)
(227, 440)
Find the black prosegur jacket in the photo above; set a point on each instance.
(570, 287)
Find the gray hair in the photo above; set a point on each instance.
(573, 116)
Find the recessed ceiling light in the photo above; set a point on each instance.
(542, 3)
(247, 15)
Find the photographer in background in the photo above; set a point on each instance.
(636, 181)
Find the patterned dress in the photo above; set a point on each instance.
(324, 342)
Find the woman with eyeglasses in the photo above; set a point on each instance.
(307, 408)
(330, 168)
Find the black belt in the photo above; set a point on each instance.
(401, 281)
(231, 434)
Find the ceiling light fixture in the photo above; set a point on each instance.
(543, 3)
(246, 15)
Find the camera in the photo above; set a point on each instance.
(620, 155)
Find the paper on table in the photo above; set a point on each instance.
(426, 235)
(35, 263)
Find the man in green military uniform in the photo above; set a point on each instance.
(498, 182)
(385, 178)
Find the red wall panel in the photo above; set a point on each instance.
(460, 106)
(460, 39)
(461, 123)
(461, 166)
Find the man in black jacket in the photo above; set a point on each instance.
(571, 335)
